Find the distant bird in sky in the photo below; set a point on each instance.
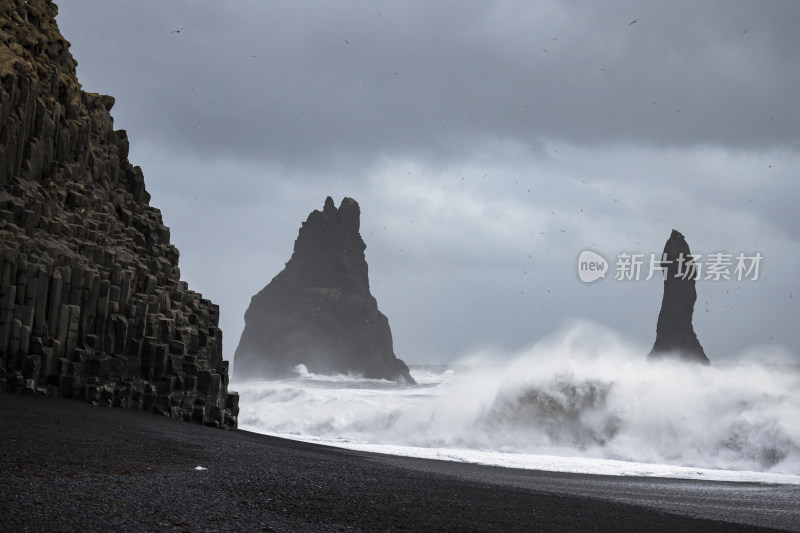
(544, 50)
(348, 42)
(633, 22)
(178, 30)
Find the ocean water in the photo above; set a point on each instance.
(582, 400)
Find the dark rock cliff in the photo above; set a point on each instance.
(91, 302)
(675, 336)
(319, 310)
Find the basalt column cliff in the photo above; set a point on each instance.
(675, 335)
(91, 302)
(319, 311)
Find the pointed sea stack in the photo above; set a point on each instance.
(318, 311)
(675, 336)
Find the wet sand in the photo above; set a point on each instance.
(68, 466)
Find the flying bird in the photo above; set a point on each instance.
(633, 22)
(178, 30)
(348, 42)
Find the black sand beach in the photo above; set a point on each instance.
(68, 466)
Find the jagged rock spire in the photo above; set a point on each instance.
(675, 336)
(319, 310)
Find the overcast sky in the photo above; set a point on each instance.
(488, 144)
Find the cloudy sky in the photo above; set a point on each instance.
(488, 144)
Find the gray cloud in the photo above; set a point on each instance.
(292, 82)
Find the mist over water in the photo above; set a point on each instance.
(583, 392)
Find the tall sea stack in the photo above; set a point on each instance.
(91, 302)
(318, 311)
(675, 336)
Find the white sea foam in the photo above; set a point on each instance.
(582, 400)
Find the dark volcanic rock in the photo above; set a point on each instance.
(91, 302)
(675, 335)
(319, 311)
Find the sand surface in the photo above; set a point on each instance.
(68, 466)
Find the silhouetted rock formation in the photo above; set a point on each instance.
(319, 311)
(675, 335)
(91, 302)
